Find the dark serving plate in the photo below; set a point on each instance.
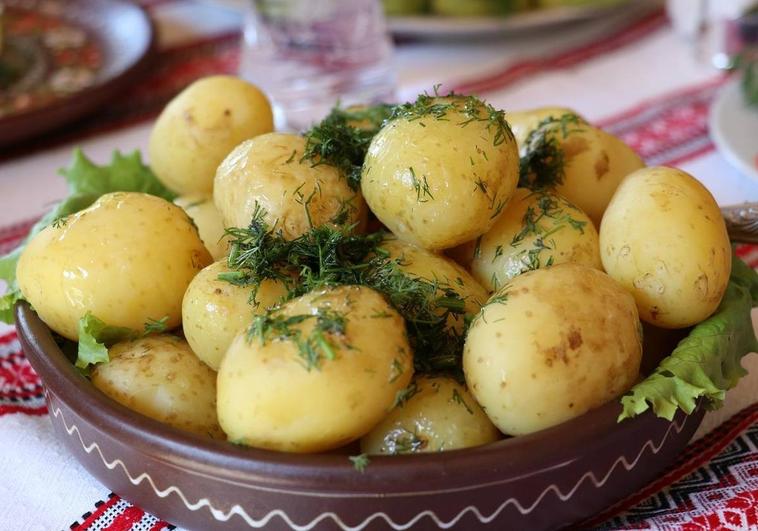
(545, 480)
(69, 57)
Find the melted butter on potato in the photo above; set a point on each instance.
(271, 395)
(160, 377)
(664, 239)
(215, 311)
(538, 229)
(266, 172)
(126, 259)
(551, 345)
(200, 126)
(207, 219)
(439, 180)
(440, 415)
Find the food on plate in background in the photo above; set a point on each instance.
(127, 259)
(268, 174)
(161, 378)
(441, 170)
(436, 414)
(538, 229)
(200, 126)
(207, 219)
(313, 376)
(664, 239)
(550, 345)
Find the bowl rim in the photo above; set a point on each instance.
(333, 475)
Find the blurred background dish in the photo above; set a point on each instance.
(60, 60)
(734, 128)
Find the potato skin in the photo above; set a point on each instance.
(418, 173)
(524, 122)
(664, 239)
(214, 311)
(197, 129)
(550, 346)
(127, 259)
(267, 171)
(160, 377)
(442, 415)
(267, 398)
(596, 163)
(208, 221)
(562, 233)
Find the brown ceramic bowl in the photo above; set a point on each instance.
(546, 480)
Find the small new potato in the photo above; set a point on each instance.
(208, 221)
(160, 377)
(424, 264)
(266, 172)
(664, 239)
(316, 374)
(538, 229)
(200, 126)
(441, 179)
(551, 345)
(524, 122)
(215, 311)
(440, 415)
(127, 259)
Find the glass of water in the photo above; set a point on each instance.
(310, 54)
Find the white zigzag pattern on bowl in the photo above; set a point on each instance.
(254, 523)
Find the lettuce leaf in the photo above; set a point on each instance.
(86, 183)
(707, 362)
(94, 339)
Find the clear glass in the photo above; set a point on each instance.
(309, 54)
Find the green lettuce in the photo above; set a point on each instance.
(707, 362)
(86, 183)
(94, 339)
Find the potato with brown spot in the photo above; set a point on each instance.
(664, 239)
(562, 361)
(160, 377)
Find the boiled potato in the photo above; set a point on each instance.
(200, 126)
(551, 345)
(664, 239)
(318, 373)
(538, 229)
(420, 263)
(160, 377)
(441, 178)
(214, 311)
(127, 259)
(524, 122)
(266, 173)
(208, 221)
(439, 415)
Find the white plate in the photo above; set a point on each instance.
(431, 26)
(734, 129)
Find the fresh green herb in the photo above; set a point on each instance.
(542, 162)
(403, 395)
(360, 462)
(342, 139)
(458, 399)
(402, 441)
(423, 193)
(94, 339)
(397, 370)
(153, 326)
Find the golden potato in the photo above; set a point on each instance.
(161, 378)
(215, 311)
(440, 174)
(200, 126)
(420, 263)
(551, 345)
(537, 229)
(266, 172)
(208, 221)
(524, 122)
(316, 374)
(439, 415)
(664, 239)
(127, 259)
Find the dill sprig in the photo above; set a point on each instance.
(441, 107)
(328, 256)
(342, 139)
(542, 162)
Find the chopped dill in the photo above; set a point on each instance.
(458, 399)
(360, 462)
(542, 162)
(403, 395)
(423, 193)
(403, 441)
(60, 222)
(156, 326)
